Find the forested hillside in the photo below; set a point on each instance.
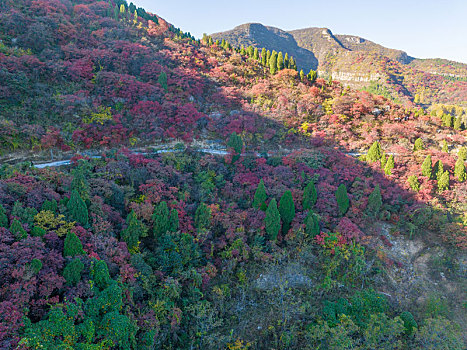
(281, 210)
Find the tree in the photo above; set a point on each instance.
(410, 324)
(302, 75)
(443, 181)
(273, 63)
(292, 64)
(79, 182)
(100, 274)
(462, 153)
(134, 231)
(383, 160)
(280, 61)
(72, 246)
(272, 220)
(417, 99)
(72, 272)
(162, 80)
(445, 147)
(439, 334)
(259, 200)
(235, 142)
(17, 230)
(427, 169)
(312, 75)
(173, 221)
(383, 333)
(418, 145)
(3, 217)
(438, 169)
(77, 209)
(413, 182)
(286, 210)
(374, 202)
(286, 60)
(256, 54)
(309, 196)
(202, 216)
(374, 153)
(160, 218)
(342, 199)
(311, 224)
(459, 170)
(389, 165)
(263, 57)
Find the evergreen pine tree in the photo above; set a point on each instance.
(286, 60)
(280, 61)
(72, 245)
(77, 209)
(272, 220)
(72, 272)
(443, 181)
(173, 221)
(427, 169)
(17, 230)
(374, 153)
(273, 63)
(342, 199)
(259, 200)
(438, 169)
(268, 57)
(445, 147)
(116, 12)
(374, 202)
(134, 231)
(162, 80)
(100, 274)
(462, 153)
(311, 224)
(202, 216)
(389, 165)
(286, 210)
(384, 160)
(263, 57)
(292, 64)
(160, 218)
(236, 143)
(256, 54)
(413, 183)
(302, 75)
(458, 123)
(309, 196)
(418, 145)
(312, 75)
(459, 170)
(3, 217)
(79, 182)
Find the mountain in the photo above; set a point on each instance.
(360, 63)
(163, 192)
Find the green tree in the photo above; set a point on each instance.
(418, 145)
(50, 206)
(17, 230)
(280, 61)
(462, 153)
(286, 210)
(342, 199)
(374, 153)
(309, 196)
(374, 202)
(413, 183)
(160, 218)
(292, 64)
(459, 170)
(272, 220)
(202, 216)
(134, 231)
(256, 54)
(263, 57)
(273, 63)
(443, 182)
(259, 201)
(302, 75)
(389, 165)
(3, 217)
(438, 169)
(311, 224)
(286, 60)
(100, 274)
(383, 160)
(383, 333)
(445, 147)
(173, 221)
(72, 245)
(427, 169)
(312, 75)
(410, 324)
(439, 334)
(79, 182)
(458, 123)
(72, 272)
(235, 142)
(77, 209)
(162, 80)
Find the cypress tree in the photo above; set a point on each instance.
(438, 169)
(50, 206)
(427, 169)
(443, 181)
(302, 75)
(72, 246)
(374, 202)
(272, 220)
(259, 200)
(72, 272)
(309, 196)
(342, 199)
(445, 147)
(100, 274)
(17, 230)
(202, 216)
(311, 224)
(77, 209)
(160, 218)
(280, 61)
(236, 143)
(418, 145)
(292, 64)
(384, 160)
(389, 165)
(286, 210)
(458, 123)
(459, 170)
(3, 217)
(286, 60)
(374, 153)
(134, 231)
(462, 153)
(312, 75)
(256, 54)
(250, 51)
(162, 80)
(273, 63)
(263, 57)
(413, 183)
(79, 182)
(173, 221)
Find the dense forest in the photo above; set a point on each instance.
(217, 197)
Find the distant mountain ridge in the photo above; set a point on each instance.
(359, 62)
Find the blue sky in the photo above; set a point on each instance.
(422, 28)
